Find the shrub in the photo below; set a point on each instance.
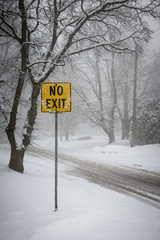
(148, 123)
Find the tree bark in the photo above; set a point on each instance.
(125, 128)
(133, 139)
(125, 121)
(15, 155)
(67, 134)
(114, 100)
(16, 158)
(111, 136)
(31, 117)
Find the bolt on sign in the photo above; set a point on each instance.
(56, 97)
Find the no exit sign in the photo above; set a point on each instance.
(56, 97)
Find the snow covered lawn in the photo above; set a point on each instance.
(86, 211)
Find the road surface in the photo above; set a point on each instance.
(140, 184)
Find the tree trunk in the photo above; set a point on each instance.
(17, 155)
(16, 159)
(125, 128)
(31, 117)
(133, 139)
(114, 99)
(61, 128)
(67, 134)
(110, 133)
(111, 136)
(10, 130)
(125, 121)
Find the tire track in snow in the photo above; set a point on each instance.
(143, 185)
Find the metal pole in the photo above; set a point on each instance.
(56, 161)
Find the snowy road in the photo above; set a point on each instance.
(140, 184)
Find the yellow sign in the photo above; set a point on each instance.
(56, 97)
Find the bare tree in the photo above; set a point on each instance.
(48, 31)
(103, 82)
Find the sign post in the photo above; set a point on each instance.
(56, 97)
(56, 161)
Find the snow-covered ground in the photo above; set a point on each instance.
(86, 211)
(96, 149)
